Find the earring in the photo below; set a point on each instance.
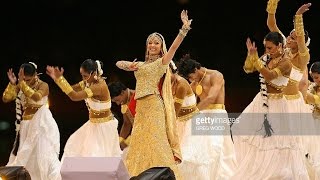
(95, 77)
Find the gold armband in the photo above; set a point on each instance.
(10, 92)
(258, 65)
(88, 92)
(249, 63)
(298, 25)
(127, 140)
(27, 90)
(121, 139)
(177, 100)
(64, 85)
(272, 6)
(278, 71)
(81, 84)
(316, 99)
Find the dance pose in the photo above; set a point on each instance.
(98, 137)
(154, 140)
(218, 151)
(37, 144)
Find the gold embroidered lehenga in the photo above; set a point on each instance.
(154, 141)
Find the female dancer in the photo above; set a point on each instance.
(37, 143)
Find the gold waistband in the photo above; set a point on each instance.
(281, 95)
(101, 120)
(187, 113)
(216, 106)
(27, 117)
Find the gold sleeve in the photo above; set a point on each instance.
(249, 63)
(9, 93)
(81, 84)
(298, 25)
(258, 65)
(272, 6)
(316, 99)
(88, 92)
(64, 85)
(278, 71)
(26, 89)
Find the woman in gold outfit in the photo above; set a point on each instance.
(154, 139)
(98, 137)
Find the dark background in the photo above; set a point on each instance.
(66, 32)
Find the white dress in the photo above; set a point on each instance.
(207, 156)
(279, 156)
(97, 137)
(39, 143)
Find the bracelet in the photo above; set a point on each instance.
(64, 85)
(26, 89)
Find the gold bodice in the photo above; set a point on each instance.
(148, 76)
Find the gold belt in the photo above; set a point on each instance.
(281, 95)
(216, 106)
(102, 119)
(27, 117)
(186, 113)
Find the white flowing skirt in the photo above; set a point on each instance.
(94, 140)
(277, 157)
(39, 147)
(207, 156)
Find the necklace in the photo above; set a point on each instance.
(199, 86)
(124, 107)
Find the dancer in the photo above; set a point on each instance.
(263, 151)
(154, 138)
(124, 96)
(37, 144)
(98, 137)
(208, 85)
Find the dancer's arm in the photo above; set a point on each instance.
(125, 131)
(35, 95)
(299, 28)
(178, 40)
(128, 65)
(10, 93)
(181, 93)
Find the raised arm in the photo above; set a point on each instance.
(299, 29)
(178, 40)
(10, 93)
(57, 75)
(35, 95)
(217, 82)
(271, 20)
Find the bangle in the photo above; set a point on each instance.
(316, 99)
(121, 139)
(272, 6)
(64, 85)
(258, 65)
(26, 89)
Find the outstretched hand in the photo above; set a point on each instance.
(54, 72)
(12, 77)
(251, 47)
(304, 8)
(133, 66)
(185, 19)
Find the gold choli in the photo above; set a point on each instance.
(146, 86)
